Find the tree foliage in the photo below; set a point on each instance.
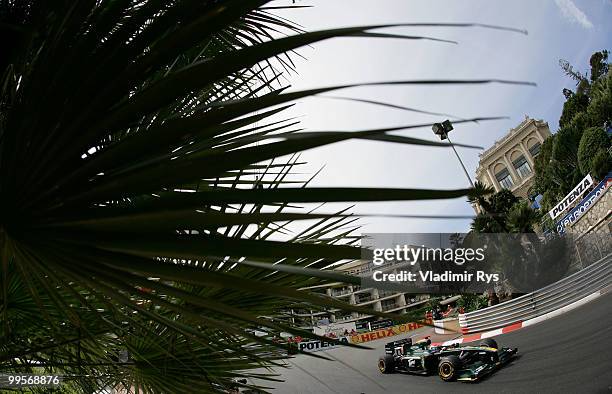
(599, 65)
(593, 141)
(521, 218)
(601, 164)
(575, 104)
(503, 201)
(503, 212)
(561, 163)
(600, 106)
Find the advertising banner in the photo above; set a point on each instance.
(335, 329)
(584, 205)
(571, 197)
(377, 325)
(362, 325)
(317, 346)
(385, 333)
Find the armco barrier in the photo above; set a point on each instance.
(548, 299)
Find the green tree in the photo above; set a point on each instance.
(601, 164)
(143, 201)
(543, 177)
(557, 167)
(575, 104)
(521, 218)
(503, 201)
(600, 107)
(599, 65)
(565, 153)
(503, 212)
(593, 141)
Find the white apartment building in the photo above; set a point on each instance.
(378, 300)
(509, 163)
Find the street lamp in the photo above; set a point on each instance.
(442, 130)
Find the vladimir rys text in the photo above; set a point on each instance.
(430, 276)
(410, 255)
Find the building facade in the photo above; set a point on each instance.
(509, 163)
(375, 299)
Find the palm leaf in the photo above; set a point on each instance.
(145, 217)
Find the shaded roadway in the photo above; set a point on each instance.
(570, 353)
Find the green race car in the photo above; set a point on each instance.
(466, 363)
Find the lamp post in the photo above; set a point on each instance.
(442, 130)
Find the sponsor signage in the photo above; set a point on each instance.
(362, 326)
(377, 325)
(385, 332)
(571, 197)
(337, 329)
(584, 205)
(317, 346)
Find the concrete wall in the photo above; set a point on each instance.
(593, 231)
(597, 219)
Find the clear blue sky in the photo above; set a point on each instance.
(568, 29)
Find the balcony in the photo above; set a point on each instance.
(386, 293)
(340, 292)
(388, 306)
(361, 300)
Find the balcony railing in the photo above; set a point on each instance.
(386, 293)
(386, 307)
(340, 293)
(361, 300)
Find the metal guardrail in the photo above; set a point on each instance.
(548, 299)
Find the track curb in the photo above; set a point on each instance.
(522, 324)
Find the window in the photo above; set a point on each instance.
(522, 167)
(535, 149)
(340, 292)
(387, 304)
(360, 298)
(504, 179)
(506, 182)
(343, 315)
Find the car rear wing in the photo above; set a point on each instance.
(391, 347)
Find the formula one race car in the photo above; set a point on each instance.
(467, 363)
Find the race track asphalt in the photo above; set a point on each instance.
(571, 353)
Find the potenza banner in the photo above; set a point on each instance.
(584, 205)
(572, 196)
(385, 333)
(317, 346)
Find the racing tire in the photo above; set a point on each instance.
(448, 367)
(489, 342)
(386, 364)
